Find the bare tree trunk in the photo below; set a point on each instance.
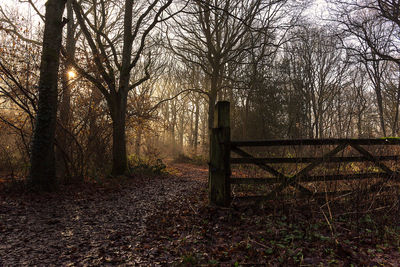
(211, 103)
(375, 76)
(138, 141)
(246, 116)
(167, 122)
(359, 125)
(42, 171)
(63, 149)
(118, 114)
(173, 124)
(65, 105)
(380, 108)
(191, 134)
(95, 144)
(119, 99)
(396, 116)
(204, 128)
(212, 98)
(196, 125)
(181, 130)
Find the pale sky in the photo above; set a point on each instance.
(319, 10)
(319, 7)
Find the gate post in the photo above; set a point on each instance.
(219, 168)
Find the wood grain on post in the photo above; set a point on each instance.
(219, 169)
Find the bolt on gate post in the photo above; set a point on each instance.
(219, 169)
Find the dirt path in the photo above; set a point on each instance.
(92, 226)
(165, 221)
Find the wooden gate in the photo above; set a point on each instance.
(221, 146)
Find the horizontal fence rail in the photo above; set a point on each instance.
(317, 178)
(309, 159)
(221, 147)
(317, 142)
(315, 195)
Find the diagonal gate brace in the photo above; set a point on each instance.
(293, 181)
(271, 170)
(382, 166)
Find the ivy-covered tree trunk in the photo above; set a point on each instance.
(42, 171)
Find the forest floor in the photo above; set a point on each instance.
(166, 221)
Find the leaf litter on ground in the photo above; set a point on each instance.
(166, 221)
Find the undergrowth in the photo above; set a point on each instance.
(191, 159)
(292, 233)
(138, 165)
